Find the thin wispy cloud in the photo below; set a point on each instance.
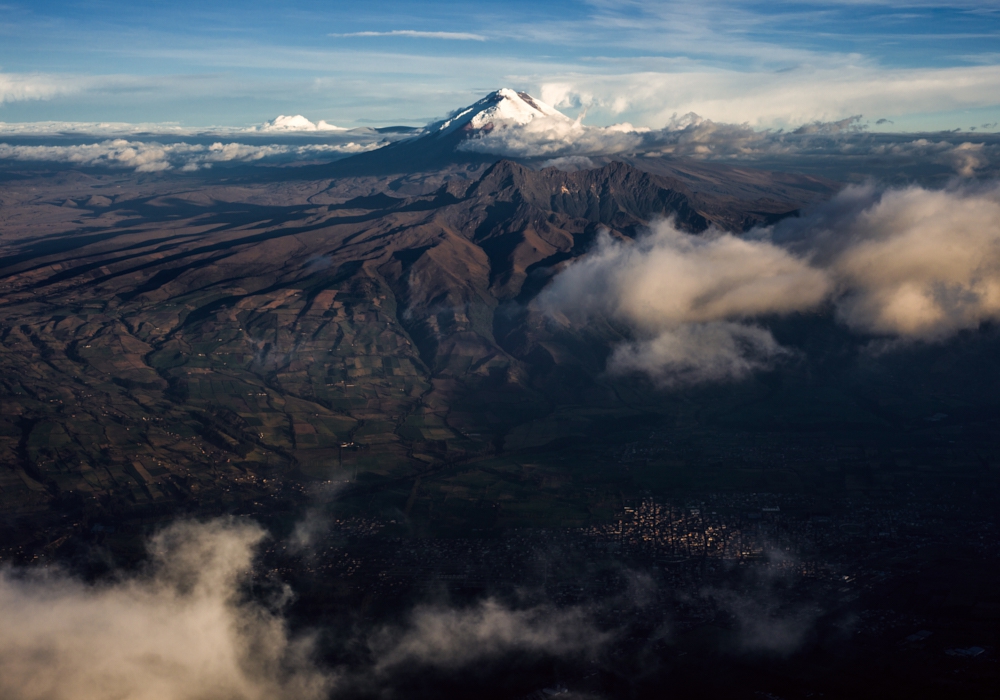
(19, 87)
(455, 36)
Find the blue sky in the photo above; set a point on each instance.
(919, 65)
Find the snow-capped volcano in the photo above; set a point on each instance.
(474, 134)
(499, 109)
(284, 123)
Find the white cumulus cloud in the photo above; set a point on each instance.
(909, 263)
(699, 352)
(687, 298)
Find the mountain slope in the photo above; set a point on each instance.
(275, 330)
(217, 332)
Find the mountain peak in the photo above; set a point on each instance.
(284, 123)
(443, 142)
(501, 108)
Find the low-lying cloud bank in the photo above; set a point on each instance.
(282, 124)
(840, 149)
(909, 264)
(695, 137)
(148, 157)
(182, 630)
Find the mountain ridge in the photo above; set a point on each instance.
(393, 311)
